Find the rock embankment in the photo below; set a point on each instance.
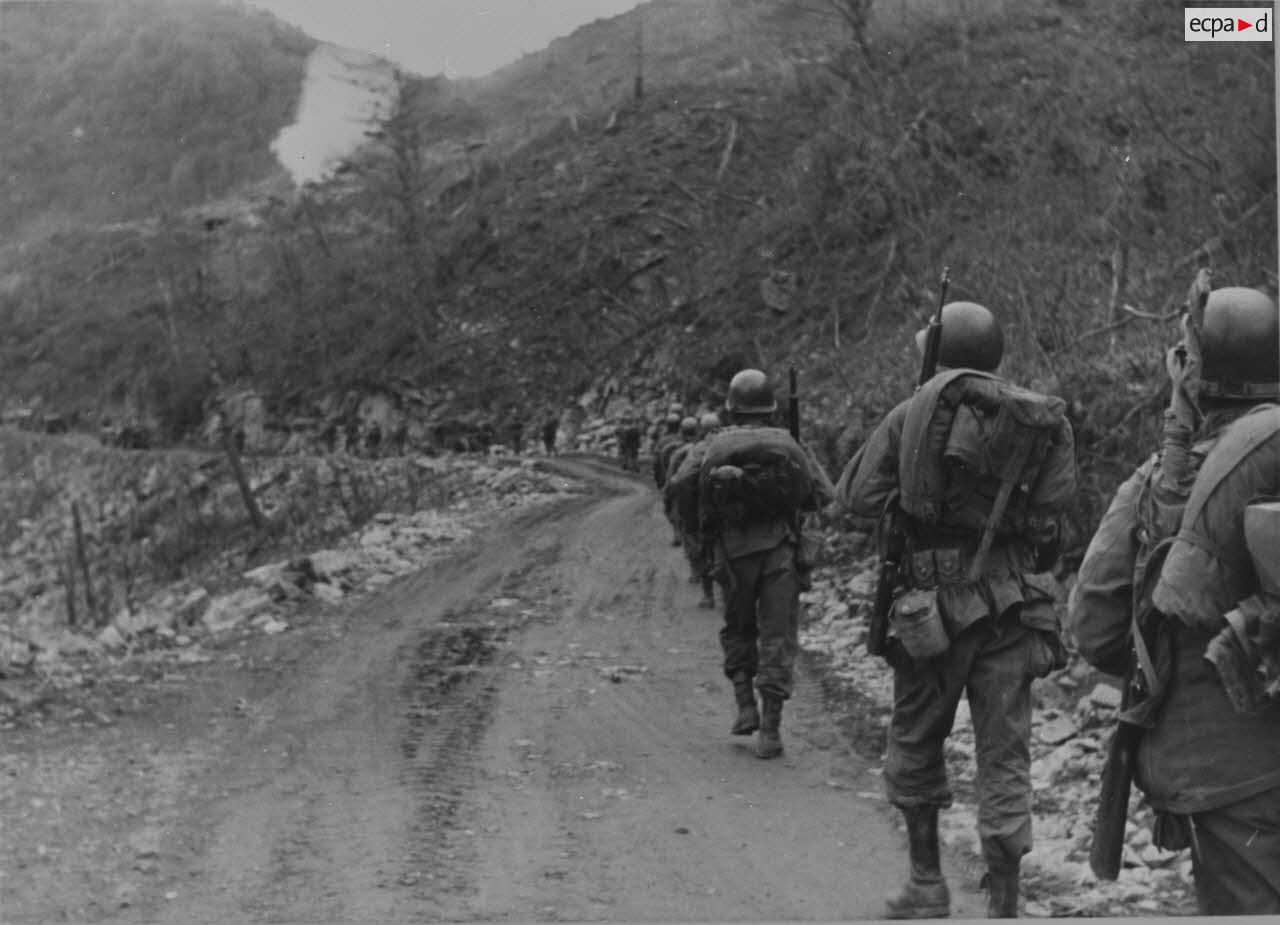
(112, 551)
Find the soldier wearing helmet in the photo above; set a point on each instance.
(628, 435)
(681, 492)
(1177, 556)
(671, 455)
(986, 595)
(754, 479)
(662, 450)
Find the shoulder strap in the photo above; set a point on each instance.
(1230, 451)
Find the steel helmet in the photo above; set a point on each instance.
(750, 392)
(710, 421)
(1240, 345)
(971, 338)
(689, 427)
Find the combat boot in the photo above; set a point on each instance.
(1001, 879)
(769, 742)
(1002, 893)
(708, 594)
(744, 695)
(925, 895)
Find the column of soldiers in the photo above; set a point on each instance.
(968, 482)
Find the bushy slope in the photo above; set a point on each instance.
(117, 110)
(780, 194)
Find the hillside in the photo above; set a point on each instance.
(114, 111)
(780, 193)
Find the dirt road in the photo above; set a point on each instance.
(535, 728)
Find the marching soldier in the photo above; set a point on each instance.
(973, 610)
(753, 482)
(1183, 568)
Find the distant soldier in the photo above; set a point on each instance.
(550, 427)
(753, 482)
(1184, 573)
(329, 436)
(674, 453)
(660, 427)
(400, 438)
(515, 431)
(629, 444)
(681, 491)
(662, 451)
(373, 440)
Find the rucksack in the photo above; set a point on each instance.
(756, 474)
(972, 452)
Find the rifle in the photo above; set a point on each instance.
(933, 333)
(803, 564)
(1106, 851)
(1144, 692)
(893, 539)
(793, 407)
(888, 577)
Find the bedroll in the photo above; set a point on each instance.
(756, 474)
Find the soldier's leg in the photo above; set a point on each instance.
(1236, 857)
(1000, 703)
(915, 773)
(699, 568)
(738, 636)
(778, 623)
(692, 546)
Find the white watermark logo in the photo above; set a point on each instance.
(1227, 23)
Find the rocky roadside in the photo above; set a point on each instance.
(174, 623)
(1074, 713)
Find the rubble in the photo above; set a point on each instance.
(1068, 748)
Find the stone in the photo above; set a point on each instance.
(1106, 696)
(111, 638)
(265, 576)
(1056, 731)
(192, 607)
(329, 593)
(228, 610)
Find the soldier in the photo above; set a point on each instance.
(966, 620)
(753, 482)
(373, 440)
(1174, 556)
(662, 451)
(550, 425)
(629, 444)
(515, 431)
(681, 494)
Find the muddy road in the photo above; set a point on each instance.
(533, 728)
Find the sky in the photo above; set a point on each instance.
(457, 38)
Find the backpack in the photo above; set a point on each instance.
(973, 447)
(755, 475)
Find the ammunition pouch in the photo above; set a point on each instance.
(930, 569)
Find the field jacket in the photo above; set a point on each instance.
(1201, 754)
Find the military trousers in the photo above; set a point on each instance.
(992, 662)
(1235, 855)
(761, 630)
(692, 544)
